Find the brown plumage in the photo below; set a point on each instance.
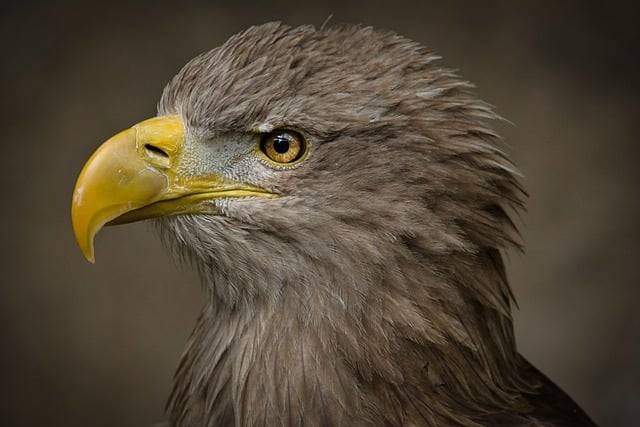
(373, 291)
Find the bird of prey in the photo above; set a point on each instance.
(347, 205)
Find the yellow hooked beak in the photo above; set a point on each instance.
(135, 175)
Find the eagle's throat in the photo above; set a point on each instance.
(340, 359)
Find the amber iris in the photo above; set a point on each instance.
(283, 146)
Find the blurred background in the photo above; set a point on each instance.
(96, 345)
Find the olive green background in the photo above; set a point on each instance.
(96, 345)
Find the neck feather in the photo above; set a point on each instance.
(427, 344)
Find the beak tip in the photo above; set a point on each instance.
(88, 252)
(84, 236)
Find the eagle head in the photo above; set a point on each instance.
(345, 203)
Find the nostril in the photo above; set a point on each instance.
(155, 151)
(157, 155)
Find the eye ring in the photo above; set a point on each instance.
(283, 147)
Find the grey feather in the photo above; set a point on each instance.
(373, 292)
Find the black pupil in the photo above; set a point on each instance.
(281, 144)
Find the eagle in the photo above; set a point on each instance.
(347, 207)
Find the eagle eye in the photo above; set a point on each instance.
(283, 147)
